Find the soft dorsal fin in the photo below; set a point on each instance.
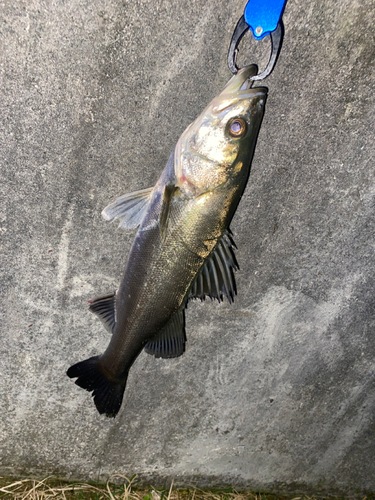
(105, 309)
(216, 277)
(170, 341)
(130, 208)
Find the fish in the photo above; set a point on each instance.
(183, 248)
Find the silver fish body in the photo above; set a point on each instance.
(183, 248)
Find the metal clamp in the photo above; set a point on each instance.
(276, 42)
(262, 17)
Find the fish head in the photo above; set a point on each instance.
(220, 143)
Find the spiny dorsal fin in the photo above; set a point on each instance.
(170, 341)
(216, 277)
(105, 309)
(130, 208)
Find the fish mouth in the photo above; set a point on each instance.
(238, 88)
(241, 85)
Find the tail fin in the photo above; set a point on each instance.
(107, 393)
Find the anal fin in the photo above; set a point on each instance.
(170, 341)
(105, 309)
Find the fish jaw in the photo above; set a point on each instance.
(206, 154)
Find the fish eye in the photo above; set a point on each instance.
(237, 127)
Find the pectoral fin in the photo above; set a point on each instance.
(105, 309)
(170, 341)
(130, 208)
(216, 277)
(168, 193)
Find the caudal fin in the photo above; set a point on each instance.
(107, 393)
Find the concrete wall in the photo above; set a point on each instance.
(274, 392)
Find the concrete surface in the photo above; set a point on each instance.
(276, 392)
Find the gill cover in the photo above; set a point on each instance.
(208, 151)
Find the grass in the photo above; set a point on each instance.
(117, 487)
